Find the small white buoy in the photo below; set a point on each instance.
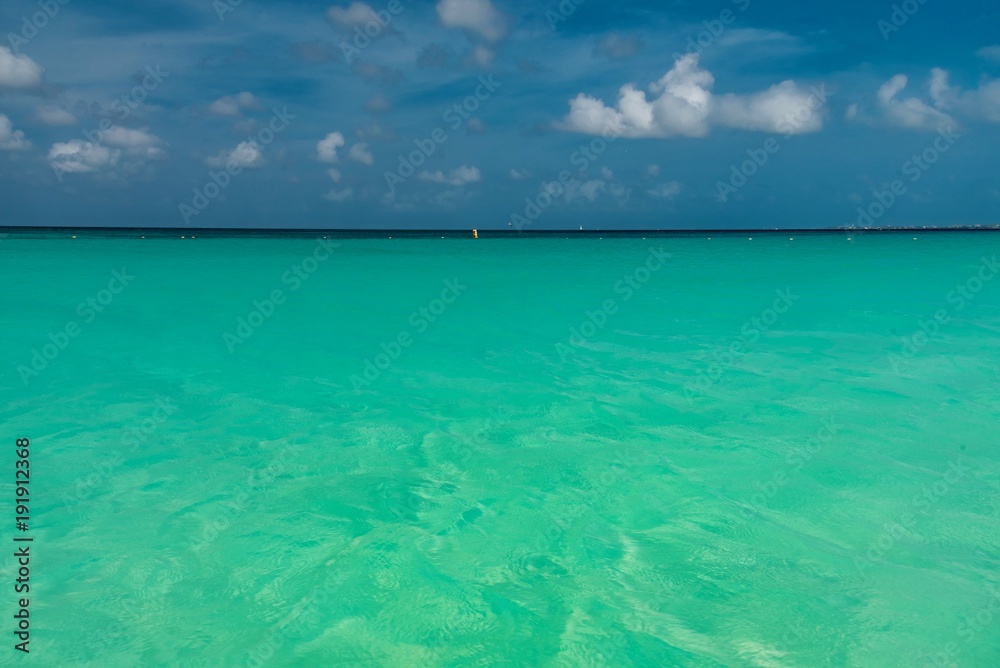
(74, 236)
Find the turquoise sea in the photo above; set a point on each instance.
(548, 450)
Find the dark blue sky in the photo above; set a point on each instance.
(729, 114)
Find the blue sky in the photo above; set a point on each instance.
(661, 115)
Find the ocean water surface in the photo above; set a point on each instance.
(557, 450)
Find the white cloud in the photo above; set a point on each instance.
(482, 55)
(360, 153)
(665, 190)
(334, 175)
(53, 115)
(616, 45)
(653, 171)
(378, 104)
(18, 71)
(326, 149)
(475, 16)
(82, 157)
(11, 139)
(683, 104)
(339, 195)
(588, 190)
(232, 105)
(246, 155)
(357, 14)
(138, 143)
(459, 177)
(784, 108)
(607, 174)
(911, 112)
(519, 174)
(989, 53)
(982, 103)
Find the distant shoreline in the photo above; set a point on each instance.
(220, 232)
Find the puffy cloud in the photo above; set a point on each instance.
(519, 175)
(911, 112)
(459, 177)
(52, 115)
(588, 190)
(616, 45)
(334, 175)
(981, 103)
(475, 16)
(784, 108)
(482, 55)
(232, 105)
(377, 73)
(316, 52)
(653, 171)
(246, 155)
(361, 153)
(76, 156)
(11, 139)
(138, 143)
(339, 195)
(667, 190)
(989, 53)
(18, 71)
(326, 149)
(356, 14)
(378, 104)
(683, 104)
